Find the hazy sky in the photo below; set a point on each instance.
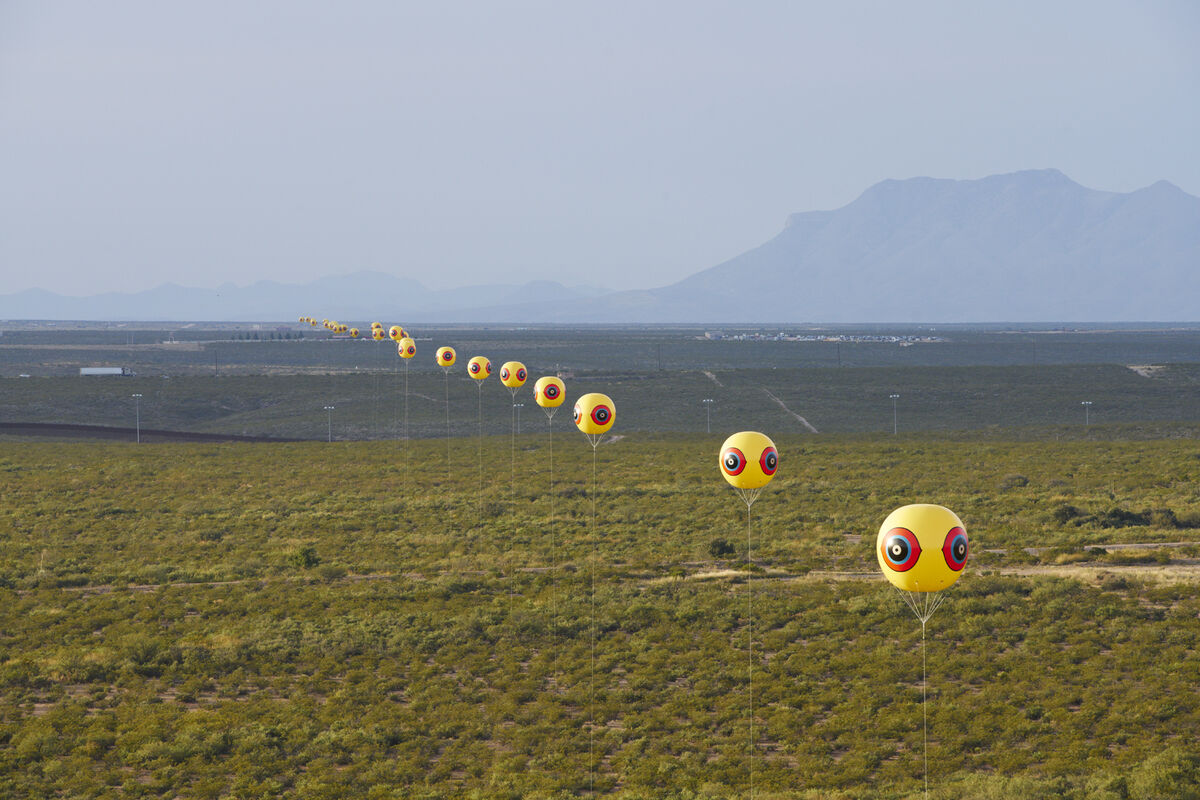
(616, 144)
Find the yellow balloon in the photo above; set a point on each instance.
(375, 325)
(406, 347)
(595, 413)
(748, 460)
(395, 333)
(549, 392)
(922, 547)
(446, 356)
(354, 332)
(513, 374)
(479, 368)
(378, 335)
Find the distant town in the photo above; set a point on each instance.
(759, 336)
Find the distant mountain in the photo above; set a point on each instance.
(356, 297)
(1024, 247)
(1027, 246)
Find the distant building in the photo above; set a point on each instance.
(126, 371)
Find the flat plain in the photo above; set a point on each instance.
(380, 617)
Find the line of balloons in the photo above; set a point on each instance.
(594, 416)
(921, 548)
(406, 348)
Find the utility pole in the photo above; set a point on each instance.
(137, 414)
(895, 419)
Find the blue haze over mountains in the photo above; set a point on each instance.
(1022, 247)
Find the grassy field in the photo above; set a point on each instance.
(366, 619)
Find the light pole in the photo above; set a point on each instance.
(1087, 407)
(137, 415)
(329, 411)
(707, 413)
(895, 419)
(518, 407)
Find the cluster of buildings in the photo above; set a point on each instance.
(886, 338)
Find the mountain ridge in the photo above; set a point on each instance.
(1024, 246)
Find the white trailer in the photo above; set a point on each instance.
(126, 371)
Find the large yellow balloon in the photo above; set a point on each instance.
(513, 374)
(748, 460)
(549, 392)
(395, 333)
(406, 347)
(595, 413)
(922, 547)
(446, 356)
(479, 368)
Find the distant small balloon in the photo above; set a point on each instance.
(446, 356)
(406, 347)
(595, 413)
(549, 392)
(354, 333)
(513, 374)
(395, 333)
(748, 460)
(479, 368)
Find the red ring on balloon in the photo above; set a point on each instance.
(738, 455)
(488, 366)
(769, 461)
(474, 366)
(504, 373)
(907, 549)
(602, 415)
(551, 391)
(956, 548)
(521, 375)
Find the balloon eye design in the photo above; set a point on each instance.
(504, 374)
(578, 415)
(412, 350)
(901, 549)
(601, 415)
(733, 461)
(520, 374)
(551, 391)
(475, 367)
(769, 461)
(488, 366)
(445, 356)
(955, 548)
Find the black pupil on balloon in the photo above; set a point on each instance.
(771, 460)
(898, 550)
(960, 549)
(520, 374)
(731, 461)
(552, 392)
